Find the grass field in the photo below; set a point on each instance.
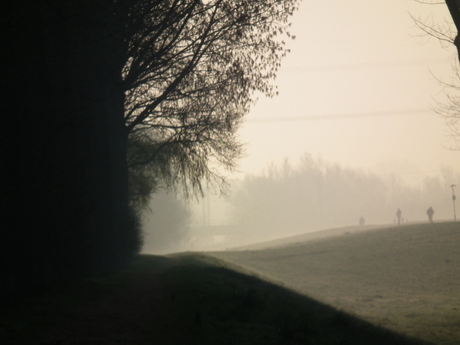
(184, 299)
(403, 278)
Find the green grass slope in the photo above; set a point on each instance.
(403, 278)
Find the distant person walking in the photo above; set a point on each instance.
(361, 221)
(430, 213)
(398, 214)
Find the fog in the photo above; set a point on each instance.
(352, 133)
(166, 224)
(359, 89)
(288, 199)
(314, 195)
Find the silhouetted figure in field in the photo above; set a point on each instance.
(430, 213)
(398, 214)
(361, 221)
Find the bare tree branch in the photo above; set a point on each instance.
(191, 76)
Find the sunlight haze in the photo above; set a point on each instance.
(353, 132)
(358, 89)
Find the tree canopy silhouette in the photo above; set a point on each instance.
(192, 72)
(105, 100)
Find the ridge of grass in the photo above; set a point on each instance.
(200, 301)
(404, 278)
(237, 308)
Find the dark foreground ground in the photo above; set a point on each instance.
(185, 299)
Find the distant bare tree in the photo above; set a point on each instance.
(444, 32)
(447, 33)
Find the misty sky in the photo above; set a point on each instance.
(358, 88)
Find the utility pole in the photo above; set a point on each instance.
(453, 200)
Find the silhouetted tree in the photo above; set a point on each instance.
(64, 178)
(86, 84)
(191, 73)
(447, 34)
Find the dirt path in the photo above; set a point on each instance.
(119, 316)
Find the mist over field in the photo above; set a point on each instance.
(166, 224)
(315, 143)
(286, 200)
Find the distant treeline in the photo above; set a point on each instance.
(318, 195)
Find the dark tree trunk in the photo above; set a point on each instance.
(454, 9)
(63, 143)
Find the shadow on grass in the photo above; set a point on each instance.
(192, 299)
(237, 308)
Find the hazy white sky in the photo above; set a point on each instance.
(358, 89)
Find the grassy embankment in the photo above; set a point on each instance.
(185, 299)
(405, 278)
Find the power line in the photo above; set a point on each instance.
(366, 65)
(345, 116)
